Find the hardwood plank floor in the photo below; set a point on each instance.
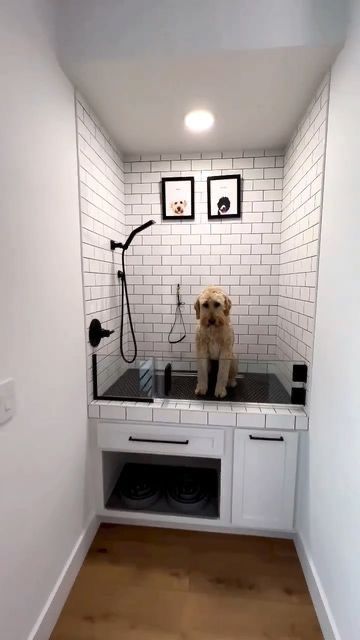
(156, 584)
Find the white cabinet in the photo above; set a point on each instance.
(257, 470)
(264, 476)
(120, 443)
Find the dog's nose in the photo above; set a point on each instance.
(211, 321)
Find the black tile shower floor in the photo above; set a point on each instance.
(251, 387)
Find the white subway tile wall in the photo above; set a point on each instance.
(102, 211)
(242, 256)
(300, 229)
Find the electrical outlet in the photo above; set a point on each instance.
(7, 400)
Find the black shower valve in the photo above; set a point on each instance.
(96, 332)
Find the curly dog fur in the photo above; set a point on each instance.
(214, 340)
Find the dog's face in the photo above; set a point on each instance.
(223, 205)
(179, 206)
(212, 307)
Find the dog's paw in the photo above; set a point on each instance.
(220, 392)
(232, 383)
(201, 390)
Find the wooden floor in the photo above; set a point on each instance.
(155, 584)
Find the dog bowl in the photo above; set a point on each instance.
(186, 490)
(138, 486)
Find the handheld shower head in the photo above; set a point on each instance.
(120, 245)
(136, 231)
(124, 290)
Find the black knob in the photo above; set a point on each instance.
(96, 332)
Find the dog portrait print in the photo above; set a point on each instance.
(178, 198)
(224, 197)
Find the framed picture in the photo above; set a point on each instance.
(224, 197)
(178, 200)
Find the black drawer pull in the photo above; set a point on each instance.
(280, 439)
(131, 439)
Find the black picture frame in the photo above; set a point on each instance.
(238, 190)
(178, 217)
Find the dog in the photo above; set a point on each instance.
(223, 205)
(214, 341)
(179, 206)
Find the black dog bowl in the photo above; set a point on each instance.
(138, 486)
(187, 490)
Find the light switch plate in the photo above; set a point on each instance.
(7, 400)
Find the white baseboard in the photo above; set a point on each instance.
(182, 525)
(52, 609)
(320, 602)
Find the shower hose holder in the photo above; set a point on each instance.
(116, 245)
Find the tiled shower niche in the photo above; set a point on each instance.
(267, 261)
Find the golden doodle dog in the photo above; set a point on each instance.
(214, 341)
(179, 206)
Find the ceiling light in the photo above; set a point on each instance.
(198, 121)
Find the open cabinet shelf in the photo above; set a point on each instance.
(126, 469)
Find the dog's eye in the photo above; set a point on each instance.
(206, 305)
(216, 304)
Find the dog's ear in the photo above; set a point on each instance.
(197, 309)
(185, 203)
(227, 305)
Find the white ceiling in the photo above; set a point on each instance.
(120, 56)
(257, 98)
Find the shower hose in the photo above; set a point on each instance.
(125, 296)
(178, 316)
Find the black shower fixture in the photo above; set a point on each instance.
(124, 292)
(119, 245)
(96, 332)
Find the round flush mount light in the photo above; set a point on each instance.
(198, 121)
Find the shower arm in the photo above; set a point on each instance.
(119, 245)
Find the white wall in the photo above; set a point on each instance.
(328, 515)
(241, 255)
(300, 232)
(43, 452)
(102, 211)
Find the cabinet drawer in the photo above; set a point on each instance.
(166, 440)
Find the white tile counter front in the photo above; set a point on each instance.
(254, 416)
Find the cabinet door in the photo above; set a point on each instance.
(264, 477)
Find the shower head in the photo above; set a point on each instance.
(116, 245)
(136, 231)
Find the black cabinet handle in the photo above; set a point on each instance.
(267, 438)
(131, 439)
